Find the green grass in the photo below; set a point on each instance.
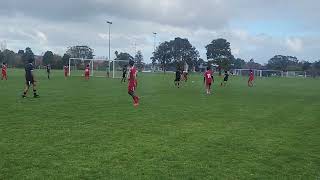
(90, 130)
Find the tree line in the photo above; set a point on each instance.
(169, 55)
(56, 61)
(173, 54)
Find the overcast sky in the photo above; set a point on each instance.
(256, 29)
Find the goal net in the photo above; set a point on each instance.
(116, 67)
(98, 67)
(270, 73)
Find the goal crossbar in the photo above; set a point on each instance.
(113, 62)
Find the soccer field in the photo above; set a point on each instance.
(82, 129)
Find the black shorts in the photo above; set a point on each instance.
(29, 81)
(225, 79)
(177, 79)
(123, 75)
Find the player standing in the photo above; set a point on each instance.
(87, 72)
(4, 71)
(178, 78)
(208, 79)
(225, 79)
(251, 79)
(66, 71)
(30, 79)
(124, 74)
(132, 84)
(48, 67)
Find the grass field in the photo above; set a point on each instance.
(90, 130)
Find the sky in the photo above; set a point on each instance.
(257, 29)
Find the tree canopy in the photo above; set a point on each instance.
(177, 51)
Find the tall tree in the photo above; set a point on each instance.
(28, 54)
(65, 59)
(57, 62)
(163, 54)
(305, 65)
(21, 53)
(48, 58)
(183, 52)
(8, 57)
(280, 62)
(123, 56)
(1, 57)
(84, 52)
(238, 63)
(139, 61)
(219, 53)
(176, 52)
(253, 65)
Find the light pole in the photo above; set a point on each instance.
(154, 44)
(110, 23)
(154, 41)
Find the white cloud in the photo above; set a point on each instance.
(294, 44)
(55, 25)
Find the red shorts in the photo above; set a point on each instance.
(65, 73)
(87, 74)
(131, 87)
(4, 73)
(251, 79)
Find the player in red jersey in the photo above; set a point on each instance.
(4, 72)
(251, 79)
(87, 72)
(208, 79)
(66, 71)
(132, 83)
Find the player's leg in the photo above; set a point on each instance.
(134, 97)
(26, 89)
(207, 89)
(34, 88)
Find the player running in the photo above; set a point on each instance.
(208, 79)
(30, 79)
(178, 78)
(132, 84)
(66, 71)
(4, 71)
(225, 79)
(87, 72)
(124, 74)
(48, 67)
(251, 79)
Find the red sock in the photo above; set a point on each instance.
(136, 99)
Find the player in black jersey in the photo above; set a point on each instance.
(30, 79)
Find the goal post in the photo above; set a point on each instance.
(98, 67)
(116, 67)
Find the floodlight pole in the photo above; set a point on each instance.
(154, 43)
(110, 23)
